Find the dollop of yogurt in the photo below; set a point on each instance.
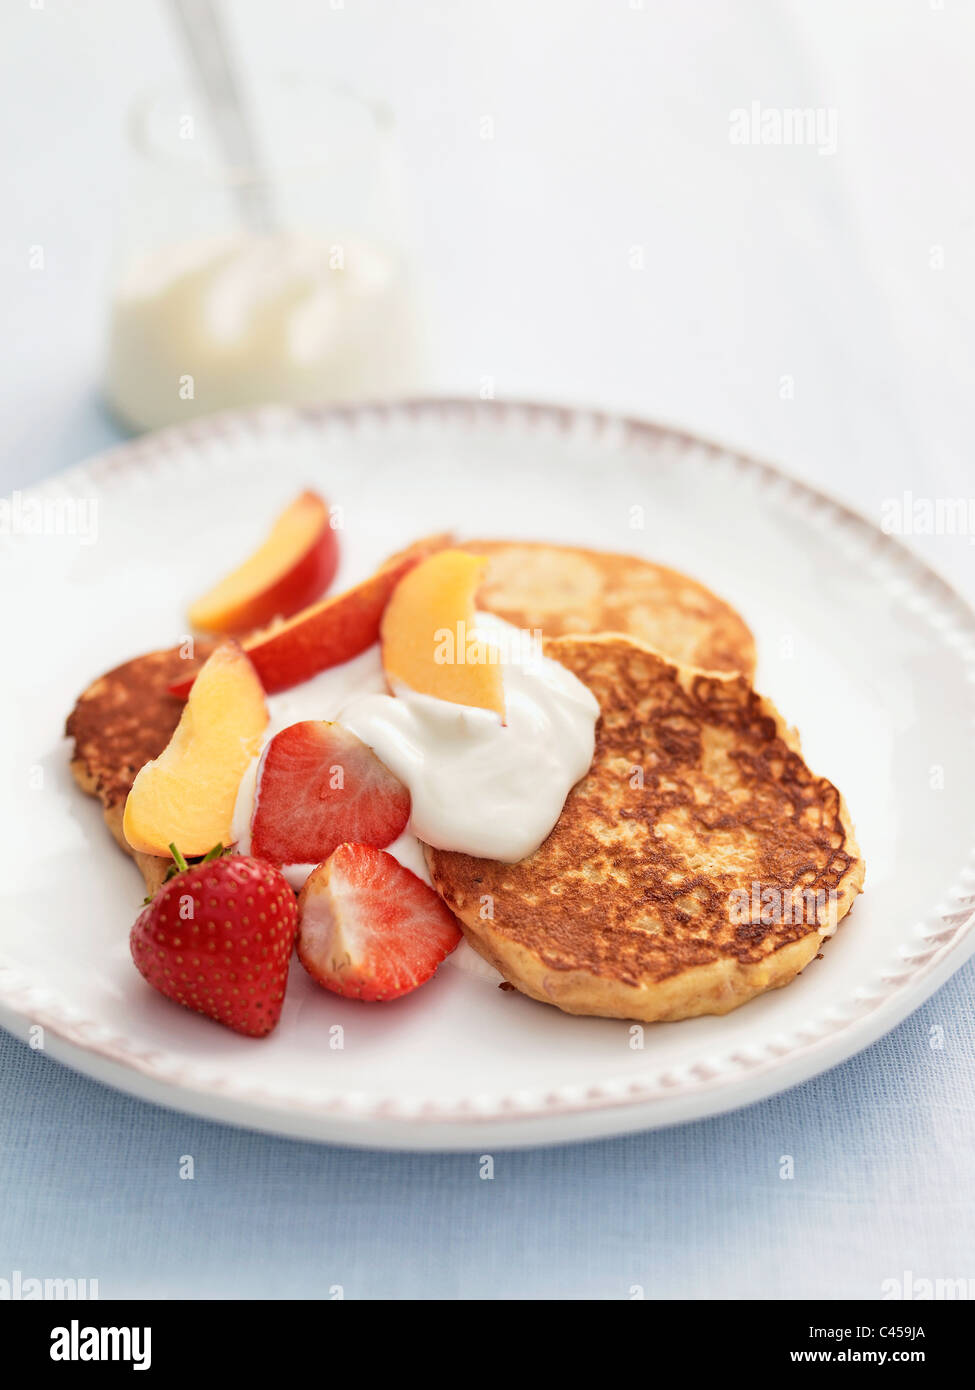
(479, 785)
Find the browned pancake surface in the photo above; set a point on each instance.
(697, 789)
(124, 719)
(562, 589)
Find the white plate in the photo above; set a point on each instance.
(862, 647)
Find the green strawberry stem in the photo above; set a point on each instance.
(180, 865)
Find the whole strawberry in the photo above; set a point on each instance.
(218, 938)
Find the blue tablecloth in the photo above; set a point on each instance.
(882, 1149)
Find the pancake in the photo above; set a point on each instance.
(118, 724)
(698, 864)
(561, 590)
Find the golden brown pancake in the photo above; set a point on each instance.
(699, 863)
(118, 724)
(560, 590)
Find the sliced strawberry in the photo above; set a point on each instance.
(217, 938)
(318, 786)
(370, 929)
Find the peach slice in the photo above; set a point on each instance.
(329, 632)
(293, 567)
(427, 632)
(186, 796)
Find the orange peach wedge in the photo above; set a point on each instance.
(293, 567)
(329, 632)
(427, 634)
(186, 796)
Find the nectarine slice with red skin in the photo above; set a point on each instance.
(293, 567)
(319, 785)
(427, 634)
(186, 796)
(329, 632)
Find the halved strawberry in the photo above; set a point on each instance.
(317, 786)
(370, 929)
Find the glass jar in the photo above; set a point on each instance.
(285, 280)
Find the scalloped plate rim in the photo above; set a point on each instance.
(562, 1115)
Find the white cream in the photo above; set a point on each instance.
(246, 319)
(481, 786)
(326, 694)
(478, 786)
